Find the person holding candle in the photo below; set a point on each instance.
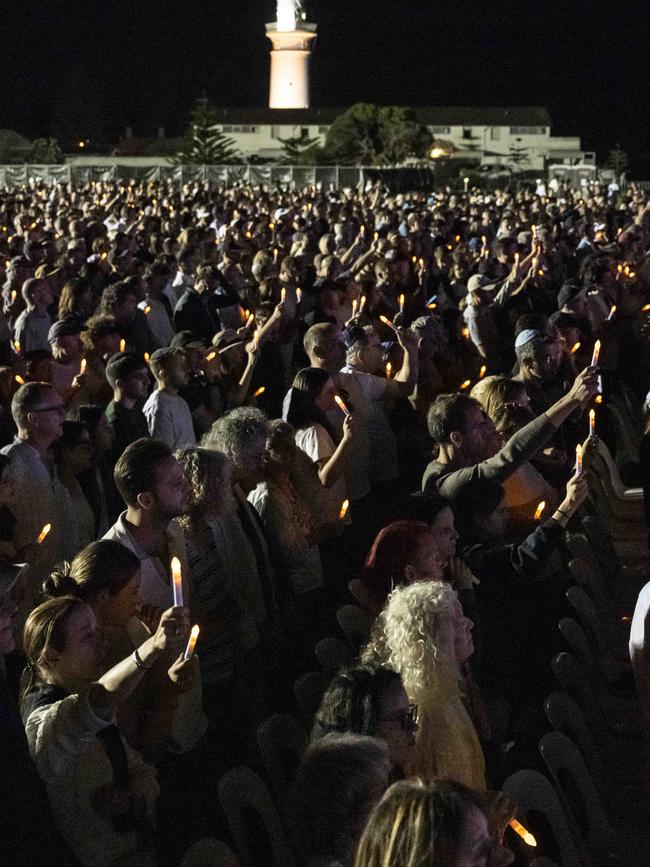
(312, 399)
(128, 376)
(155, 491)
(64, 338)
(106, 576)
(120, 300)
(168, 414)
(418, 824)
(101, 791)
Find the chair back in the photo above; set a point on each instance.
(540, 811)
(589, 618)
(282, 740)
(332, 654)
(565, 716)
(577, 791)
(354, 624)
(255, 825)
(308, 691)
(575, 681)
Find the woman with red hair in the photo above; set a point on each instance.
(403, 553)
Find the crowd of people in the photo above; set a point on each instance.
(241, 409)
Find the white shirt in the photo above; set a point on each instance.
(169, 419)
(319, 445)
(158, 321)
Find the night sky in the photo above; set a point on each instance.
(74, 68)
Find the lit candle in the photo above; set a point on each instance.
(516, 258)
(13, 295)
(250, 319)
(401, 300)
(362, 230)
(465, 332)
(122, 345)
(483, 240)
(387, 322)
(191, 644)
(256, 337)
(275, 254)
(376, 236)
(598, 398)
(283, 295)
(41, 536)
(344, 509)
(612, 311)
(539, 510)
(592, 422)
(414, 259)
(362, 304)
(431, 305)
(525, 835)
(341, 405)
(177, 582)
(17, 346)
(579, 459)
(19, 379)
(421, 263)
(146, 356)
(260, 391)
(82, 368)
(147, 310)
(298, 295)
(354, 307)
(594, 357)
(389, 369)
(211, 355)
(466, 384)
(646, 308)
(575, 348)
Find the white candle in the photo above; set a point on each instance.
(579, 459)
(41, 536)
(594, 357)
(344, 509)
(177, 582)
(592, 422)
(191, 644)
(341, 405)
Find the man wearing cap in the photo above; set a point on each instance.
(32, 327)
(65, 342)
(128, 376)
(168, 416)
(202, 396)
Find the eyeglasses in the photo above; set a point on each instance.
(405, 718)
(58, 409)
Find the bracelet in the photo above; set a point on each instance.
(138, 661)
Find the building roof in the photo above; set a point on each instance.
(428, 115)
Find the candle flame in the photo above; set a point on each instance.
(344, 509)
(82, 368)
(283, 295)
(211, 355)
(362, 303)
(122, 345)
(578, 458)
(147, 310)
(41, 536)
(575, 347)
(386, 321)
(482, 371)
(465, 332)
(598, 398)
(191, 644)
(250, 319)
(19, 379)
(17, 346)
(177, 582)
(524, 833)
(389, 369)
(341, 404)
(146, 356)
(646, 308)
(466, 384)
(539, 510)
(596, 354)
(612, 311)
(298, 295)
(260, 391)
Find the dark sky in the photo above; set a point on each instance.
(90, 67)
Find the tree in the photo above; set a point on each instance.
(300, 150)
(46, 151)
(617, 160)
(205, 143)
(375, 135)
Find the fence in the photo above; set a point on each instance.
(334, 177)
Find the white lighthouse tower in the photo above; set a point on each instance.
(292, 39)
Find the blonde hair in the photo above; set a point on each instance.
(495, 391)
(408, 638)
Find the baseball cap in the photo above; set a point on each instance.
(163, 353)
(476, 281)
(186, 340)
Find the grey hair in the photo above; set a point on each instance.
(233, 432)
(28, 397)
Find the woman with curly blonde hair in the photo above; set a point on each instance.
(423, 634)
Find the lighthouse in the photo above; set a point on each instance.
(292, 38)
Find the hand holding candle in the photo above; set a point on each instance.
(578, 460)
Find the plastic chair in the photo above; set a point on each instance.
(565, 716)
(587, 578)
(256, 828)
(578, 793)
(308, 691)
(332, 654)
(572, 677)
(601, 544)
(354, 624)
(282, 741)
(210, 853)
(534, 794)
(605, 636)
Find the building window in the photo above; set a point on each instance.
(441, 130)
(304, 131)
(226, 129)
(275, 132)
(467, 133)
(322, 130)
(495, 133)
(527, 130)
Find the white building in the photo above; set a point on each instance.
(489, 136)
